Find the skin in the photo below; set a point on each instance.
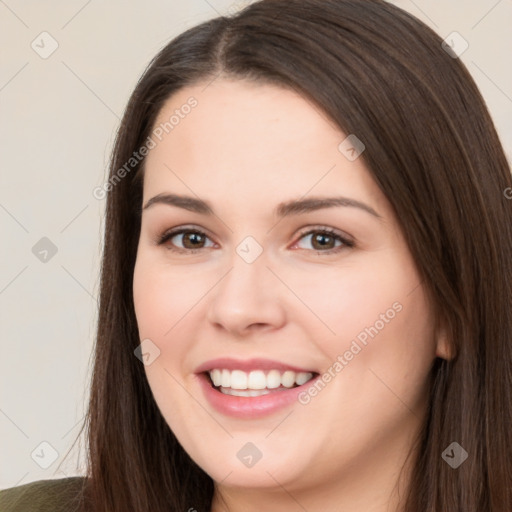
(245, 148)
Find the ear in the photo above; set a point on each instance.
(444, 343)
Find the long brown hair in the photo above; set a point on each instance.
(433, 150)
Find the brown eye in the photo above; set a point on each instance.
(185, 240)
(323, 241)
(326, 240)
(192, 239)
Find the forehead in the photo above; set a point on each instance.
(242, 138)
(239, 114)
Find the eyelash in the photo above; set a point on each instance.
(162, 239)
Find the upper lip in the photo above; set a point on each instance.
(247, 365)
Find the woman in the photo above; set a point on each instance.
(305, 298)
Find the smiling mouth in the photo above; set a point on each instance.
(257, 382)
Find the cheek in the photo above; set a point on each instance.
(162, 297)
(381, 326)
(386, 343)
(355, 296)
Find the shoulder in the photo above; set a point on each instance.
(62, 495)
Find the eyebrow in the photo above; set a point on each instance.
(284, 209)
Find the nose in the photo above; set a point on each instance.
(247, 299)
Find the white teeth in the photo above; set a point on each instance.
(216, 376)
(256, 380)
(288, 379)
(302, 378)
(225, 379)
(273, 379)
(238, 380)
(245, 392)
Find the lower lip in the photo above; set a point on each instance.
(250, 407)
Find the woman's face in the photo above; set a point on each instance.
(254, 289)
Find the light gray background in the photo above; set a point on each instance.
(58, 117)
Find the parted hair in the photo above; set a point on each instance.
(431, 147)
